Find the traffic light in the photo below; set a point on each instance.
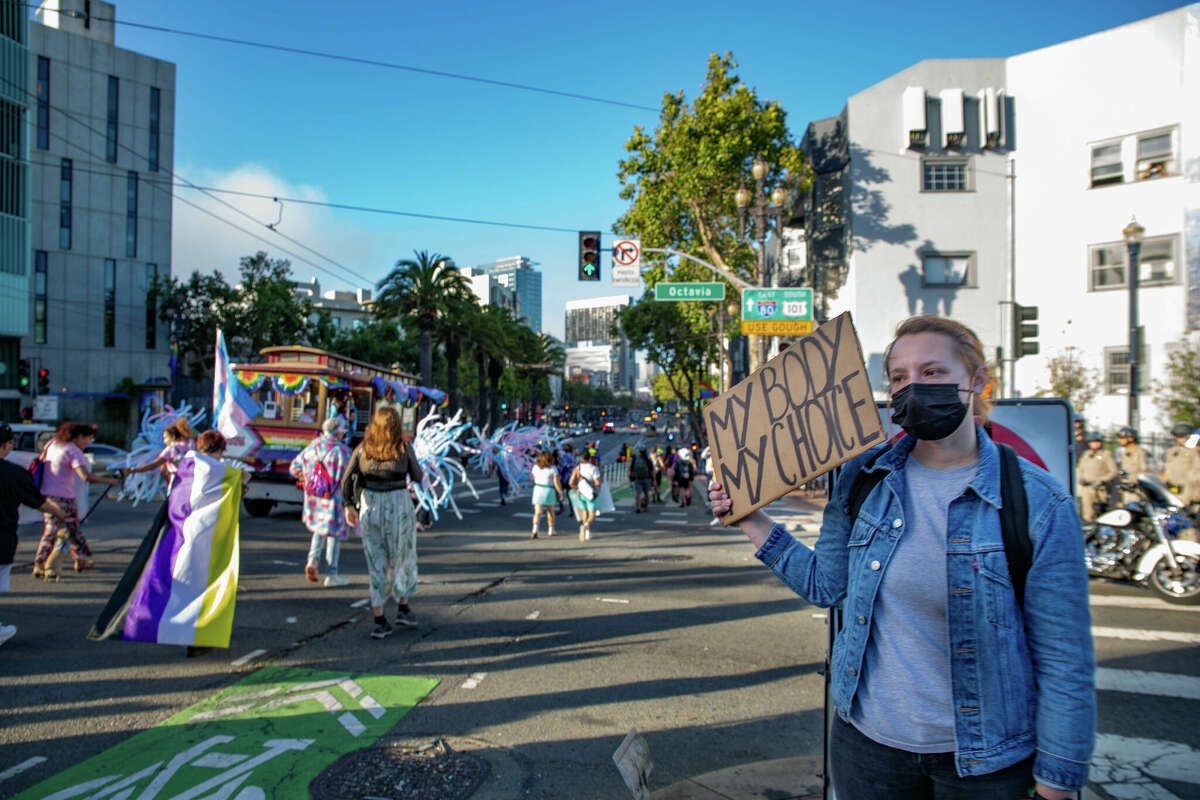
(43, 381)
(1025, 330)
(589, 255)
(23, 375)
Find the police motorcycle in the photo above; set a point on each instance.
(1139, 543)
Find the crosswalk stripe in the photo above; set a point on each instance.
(1122, 601)
(1145, 636)
(1136, 681)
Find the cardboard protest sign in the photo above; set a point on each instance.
(798, 416)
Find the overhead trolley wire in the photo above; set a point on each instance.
(356, 60)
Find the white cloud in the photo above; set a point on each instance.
(202, 242)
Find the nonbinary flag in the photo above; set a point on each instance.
(181, 587)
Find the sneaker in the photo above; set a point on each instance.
(381, 630)
(405, 619)
(336, 580)
(7, 632)
(310, 572)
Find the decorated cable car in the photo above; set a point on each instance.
(283, 401)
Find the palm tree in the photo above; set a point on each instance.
(540, 355)
(455, 329)
(421, 290)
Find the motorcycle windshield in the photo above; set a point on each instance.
(1157, 492)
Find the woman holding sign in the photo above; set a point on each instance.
(946, 682)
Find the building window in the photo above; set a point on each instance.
(12, 161)
(39, 296)
(945, 175)
(1155, 155)
(110, 302)
(155, 101)
(1107, 166)
(131, 212)
(110, 152)
(151, 306)
(43, 103)
(1157, 264)
(1116, 370)
(947, 270)
(64, 204)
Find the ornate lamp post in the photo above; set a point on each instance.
(763, 208)
(1133, 243)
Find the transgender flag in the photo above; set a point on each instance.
(182, 585)
(233, 406)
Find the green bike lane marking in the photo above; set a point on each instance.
(268, 735)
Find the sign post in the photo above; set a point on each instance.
(627, 262)
(777, 312)
(666, 292)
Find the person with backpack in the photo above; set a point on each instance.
(319, 468)
(965, 661)
(685, 473)
(641, 471)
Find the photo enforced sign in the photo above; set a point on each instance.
(798, 416)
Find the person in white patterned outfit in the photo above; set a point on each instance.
(375, 493)
(324, 515)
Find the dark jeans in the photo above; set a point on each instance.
(863, 769)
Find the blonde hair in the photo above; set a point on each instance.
(180, 430)
(383, 440)
(966, 347)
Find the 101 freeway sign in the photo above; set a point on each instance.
(777, 312)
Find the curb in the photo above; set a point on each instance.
(780, 779)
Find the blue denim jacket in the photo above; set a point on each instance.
(1018, 688)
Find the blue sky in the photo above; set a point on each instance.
(300, 126)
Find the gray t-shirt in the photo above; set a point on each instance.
(904, 698)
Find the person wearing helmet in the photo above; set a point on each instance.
(1181, 467)
(1095, 470)
(1132, 459)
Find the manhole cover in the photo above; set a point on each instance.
(663, 557)
(389, 771)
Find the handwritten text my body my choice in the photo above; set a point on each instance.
(797, 417)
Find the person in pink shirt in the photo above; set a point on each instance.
(64, 461)
(178, 439)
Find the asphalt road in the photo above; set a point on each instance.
(548, 651)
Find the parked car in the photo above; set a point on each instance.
(103, 456)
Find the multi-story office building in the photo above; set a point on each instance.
(102, 142)
(14, 202)
(517, 274)
(489, 290)
(960, 185)
(591, 344)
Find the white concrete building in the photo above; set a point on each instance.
(914, 211)
(102, 142)
(489, 290)
(517, 274)
(592, 346)
(346, 309)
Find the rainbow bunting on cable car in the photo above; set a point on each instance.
(181, 587)
(707, 392)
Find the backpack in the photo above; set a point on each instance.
(318, 483)
(1014, 512)
(683, 470)
(641, 470)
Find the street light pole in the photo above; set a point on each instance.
(765, 208)
(1133, 242)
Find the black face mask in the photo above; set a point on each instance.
(928, 411)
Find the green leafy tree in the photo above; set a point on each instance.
(1179, 395)
(419, 292)
(1071, 379)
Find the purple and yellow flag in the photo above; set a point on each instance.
(181, 587)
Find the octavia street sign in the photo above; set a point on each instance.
(689, 291)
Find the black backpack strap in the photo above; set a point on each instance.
(1014, 521)
(864, 483)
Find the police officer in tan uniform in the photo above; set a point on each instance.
(1132, 459)
(1181, 468)
(1096, 468)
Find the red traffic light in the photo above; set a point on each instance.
(43, 373)
(589, 242)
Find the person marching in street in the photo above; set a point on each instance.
(1132, 459)
(320, 466)
(17, 488)
(65, 461)
(1181, 467)
(547, 490)
(377, 502)
(685, 473)
(585, 482)
(641, 471)
(950, 682)
(660, 468)
(670, 459)
(1093, 475)
(178, 439)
